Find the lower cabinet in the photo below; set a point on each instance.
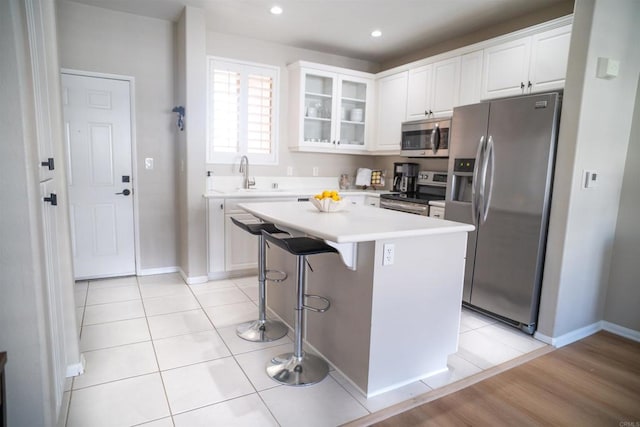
(231, 250)
(240, 247)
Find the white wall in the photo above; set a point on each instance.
(623, 294)
(594, 135)
(230, 46)
(104, 41)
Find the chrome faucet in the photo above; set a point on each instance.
(244, 169)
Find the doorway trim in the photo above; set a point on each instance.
(134, 150)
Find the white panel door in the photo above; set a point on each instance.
(505, 69)
(419, 92)
(549, 56)
(470, 78)
(445, 87)
(97, 116)
(392, 107)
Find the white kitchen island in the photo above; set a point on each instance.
(391, 322)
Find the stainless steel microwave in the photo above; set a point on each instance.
(426, 138)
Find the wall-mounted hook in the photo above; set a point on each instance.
(180, 110)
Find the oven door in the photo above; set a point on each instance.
(414, 208)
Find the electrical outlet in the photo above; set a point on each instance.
(289, 170)
(388, 253)
(315, 171)
(148, 163)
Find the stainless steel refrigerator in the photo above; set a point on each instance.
(501, 160)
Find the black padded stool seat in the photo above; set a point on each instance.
(299, 368)
(256, 228)
(300, 245)
(262, 329)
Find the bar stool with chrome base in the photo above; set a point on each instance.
(262, 330)
(300, 368)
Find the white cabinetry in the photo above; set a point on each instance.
(470, 78)
(549, 57)
(330, 108)
(529, 64)
(231, 250)
(391, 112)
(433, 89)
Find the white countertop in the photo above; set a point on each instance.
(261, 193)
(353, 224)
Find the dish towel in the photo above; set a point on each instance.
(363, 176)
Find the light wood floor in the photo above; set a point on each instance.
(593, 382)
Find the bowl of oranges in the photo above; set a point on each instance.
(328, 201)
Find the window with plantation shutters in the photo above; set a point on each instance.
(241, 111)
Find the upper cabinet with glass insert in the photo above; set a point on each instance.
(330, 108)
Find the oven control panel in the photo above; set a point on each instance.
(436, 178)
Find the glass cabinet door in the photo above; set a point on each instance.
(353, 99)
(318, 104)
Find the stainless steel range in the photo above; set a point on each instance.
(430, 186)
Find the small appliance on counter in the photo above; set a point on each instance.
(404, 177)
(430, 186)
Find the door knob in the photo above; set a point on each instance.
(125, 192)
(49, 164)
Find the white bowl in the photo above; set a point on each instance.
(328, 204)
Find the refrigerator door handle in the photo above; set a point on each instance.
(487, 185)
(475, 194)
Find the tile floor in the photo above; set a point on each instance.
(161, 353)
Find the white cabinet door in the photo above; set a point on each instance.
(372, 201)
(505, 68)
(241, 248)
(470, 78)
(392, 104)
(317, 109)
(54, 305)
(215, 235)
(445, 87)
(329, 109)
(419, 92)
(351, 119)
(549, 55)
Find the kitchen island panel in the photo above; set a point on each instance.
(415, 309)
(342, 334)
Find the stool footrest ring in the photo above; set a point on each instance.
(316, 309)
(282, 274)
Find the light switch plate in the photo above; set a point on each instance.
(590, 179)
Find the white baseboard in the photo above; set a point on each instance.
(621, 330)
(154, 271)
(76, 369)
(194, 280)
(570, 337)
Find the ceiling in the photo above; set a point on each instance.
(343, 27)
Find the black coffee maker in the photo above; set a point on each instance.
(405, 176)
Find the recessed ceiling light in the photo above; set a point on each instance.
(276, 10)
(376, 33)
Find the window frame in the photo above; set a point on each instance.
(244, 68)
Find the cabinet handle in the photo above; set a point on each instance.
(221, 206)
(529, 84)
(53, 199)
(48, 164)
(338, 142)
(521, 86)
(426, 113)
(430, 113)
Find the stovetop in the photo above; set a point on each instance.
(419, 198)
